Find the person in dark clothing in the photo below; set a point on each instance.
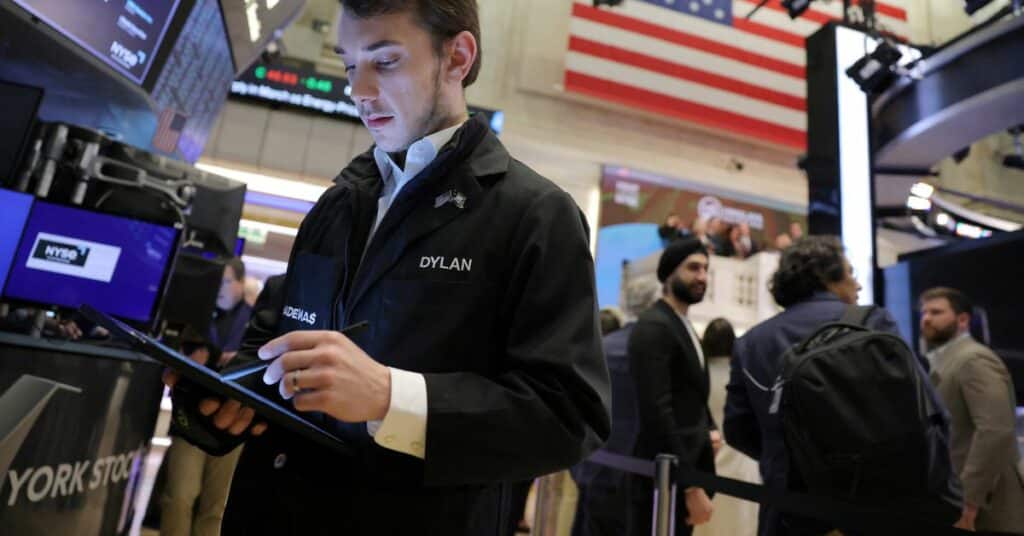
(194, 494)
(476, 278)
(815, 285)
(603, 506)
(232, 312)
(670, 379)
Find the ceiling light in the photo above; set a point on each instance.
(922, 189)
(918, 203)
(267, 184)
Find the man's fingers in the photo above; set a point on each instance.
(311, 401)
(308, 379)
(170, 377)
(227, 414)
(208, 406)
(293, 341)
(298, 359)
(243, 421)
(259, 428)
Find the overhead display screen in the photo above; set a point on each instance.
(125, 34)
(251, 25)
(193, 84)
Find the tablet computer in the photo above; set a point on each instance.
(269, 409)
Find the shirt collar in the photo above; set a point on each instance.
(418, 156)
(935, 356)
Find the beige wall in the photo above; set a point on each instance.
(564, 138)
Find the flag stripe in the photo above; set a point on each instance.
(686, 39)
(719, 33)
(683, 109)
(681, 55)
(675, 87)
(696, 61)
(770, 32)
(643, 61)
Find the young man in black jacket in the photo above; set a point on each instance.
(482, 362)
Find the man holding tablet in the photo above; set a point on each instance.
(482, 361)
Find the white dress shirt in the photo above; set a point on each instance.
(693, 337)
(404, 427)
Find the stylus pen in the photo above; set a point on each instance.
(250, 369)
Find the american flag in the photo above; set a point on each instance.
(702, 61)
(168, 130)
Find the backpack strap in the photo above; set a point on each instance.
(857, 315)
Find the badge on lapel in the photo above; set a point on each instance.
(451, 196)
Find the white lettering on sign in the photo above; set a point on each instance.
(455, 264)
(65, 479)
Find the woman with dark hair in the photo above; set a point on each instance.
(815, 285)
(732, 516)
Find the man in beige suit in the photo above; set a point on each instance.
(977, 389)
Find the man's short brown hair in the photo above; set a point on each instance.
(957, 300)
(443, 19)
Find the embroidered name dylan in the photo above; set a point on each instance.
(454, 264)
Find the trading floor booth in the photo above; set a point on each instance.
(106, 107)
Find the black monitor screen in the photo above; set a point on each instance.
(193, 83)
(124, 34)
(251, 25)
(69, 256)
(20, 106)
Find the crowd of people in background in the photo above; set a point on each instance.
(725, 239)
(704, 399)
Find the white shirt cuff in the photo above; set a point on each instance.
(404, 428)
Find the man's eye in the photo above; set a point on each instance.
(387, 63)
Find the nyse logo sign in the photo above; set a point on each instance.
(73, 257)
(52, 251)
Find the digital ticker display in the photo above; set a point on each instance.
(125, 34)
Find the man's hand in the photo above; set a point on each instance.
(716, 441)
(231, 415)
(967, 517)
(699, 507)
(68, 329)
(325, 371)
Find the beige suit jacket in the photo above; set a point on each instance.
(976, 388)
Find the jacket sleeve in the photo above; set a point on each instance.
(651, 347)
(985, 387)
(742, 431)
(549, 403)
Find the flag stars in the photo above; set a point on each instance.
(719, 13)
(695, 6)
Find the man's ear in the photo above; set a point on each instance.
(964, 319)
(461, 52)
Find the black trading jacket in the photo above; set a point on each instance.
(479, 277)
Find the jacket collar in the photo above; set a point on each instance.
(488, 158)
(446, 189)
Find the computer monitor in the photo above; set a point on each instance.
(69, 256)
(252, 25)
(192, 292)
(214, 214)
(125, 35)
(20, 105)
(14, 209)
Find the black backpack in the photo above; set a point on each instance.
(862, 423)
